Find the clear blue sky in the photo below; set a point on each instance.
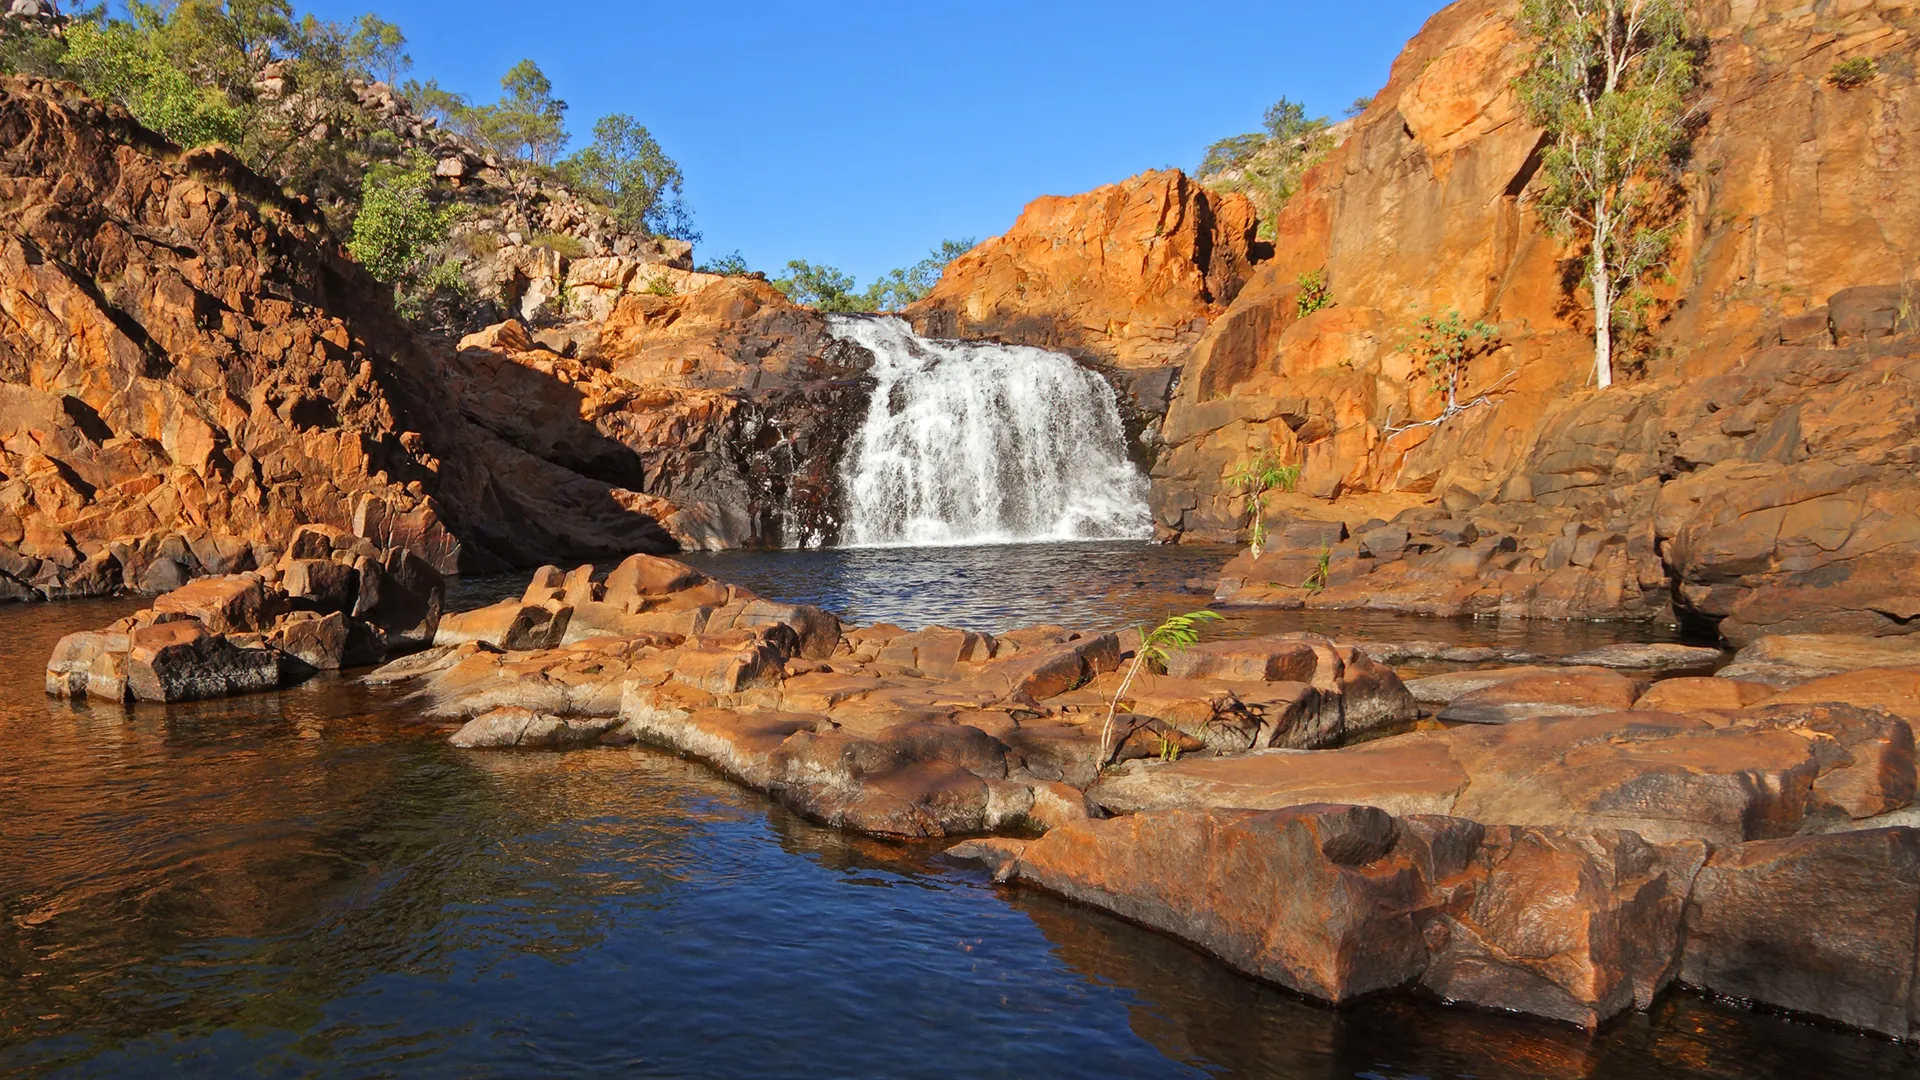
(861, 134)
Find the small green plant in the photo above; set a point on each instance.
(1177, 634)
(1446, 344)
(658, 285)
(1322, 571)
(1852, 73)
(1314, 293)
(566, 245)
(1169, 750)
(1256, 478)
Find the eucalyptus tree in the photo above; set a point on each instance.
(1608, 83)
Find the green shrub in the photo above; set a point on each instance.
(1314, 293)
(118, 62)
(1852, 73)
(1256, 478)
(398, 222)
(658, 285)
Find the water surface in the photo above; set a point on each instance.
(311, 883)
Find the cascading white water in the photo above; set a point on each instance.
(977, 443)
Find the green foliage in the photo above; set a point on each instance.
(1607, 82)
(436, 103)
(904, 285)
(118, 62)
(1853, 72)
(527, 123)
(1445, 344)
(378, 49)
(1360, 105)
(398, 223)
(566, 245)
(1322, 572)
(1267, 165)
(626, 169)
(1256, 478)
(733, 264)
(1177, 634)
(1314, 293)
(658, 285)
(823, 287)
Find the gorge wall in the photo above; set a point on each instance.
(1755, 468)
(190, 367)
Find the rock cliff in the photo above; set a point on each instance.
(1754, 471)
(191, 368)
(1125, 277)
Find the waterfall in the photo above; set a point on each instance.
(978, 443)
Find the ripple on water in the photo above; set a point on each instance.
(312, 883)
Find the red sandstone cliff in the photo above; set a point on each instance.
(1757, 472)
(1125, 275)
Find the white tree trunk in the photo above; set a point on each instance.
(1602, 321)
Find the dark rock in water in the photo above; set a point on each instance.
(1824, 925)
(184, 661)
(241, 633)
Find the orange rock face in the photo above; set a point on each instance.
(190, 370)
(1127, 275)
(1745, 467)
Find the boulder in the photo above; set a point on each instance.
(1824, 925)
(234, 602)
(1320, 899)
(90, 664)
(508, 624)
(318, 641)
(1647, 657)
(1690, 695)
(1274, 659)
(1894, 691)
(183, 661)
(1574, 924)
(641, 577)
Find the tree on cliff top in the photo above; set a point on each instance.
(626, 169)
(1267, 165)
(1607, 82)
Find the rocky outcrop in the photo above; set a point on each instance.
(1125, 277)
(333, 601)
(723, 413)
(1753, 471)
(1576, 924)
(190, 369)
(1755, 476)
(926, 733)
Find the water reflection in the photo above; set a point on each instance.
(313, 883)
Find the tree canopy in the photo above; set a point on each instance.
(1608, 82)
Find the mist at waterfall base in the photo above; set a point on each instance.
(982, 443)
